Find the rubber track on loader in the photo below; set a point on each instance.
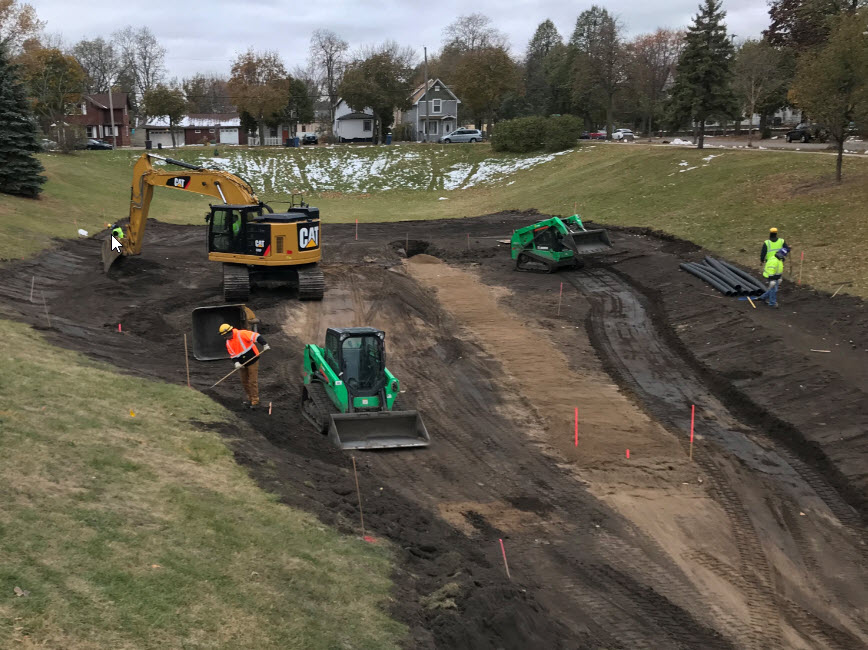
(311, 284)
(322, 404)
(236, 283)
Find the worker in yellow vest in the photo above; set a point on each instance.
(772, 256)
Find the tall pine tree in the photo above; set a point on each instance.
(19, 169)
(703, 78)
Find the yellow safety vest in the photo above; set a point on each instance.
(773, 246)
(773, 266)
(118, 232)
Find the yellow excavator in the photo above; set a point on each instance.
(256, 245)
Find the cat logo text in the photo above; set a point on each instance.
(308, 237)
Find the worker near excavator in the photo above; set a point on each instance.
(117, 231)
(242, 346)
(772, 256)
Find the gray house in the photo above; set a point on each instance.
(432, 114)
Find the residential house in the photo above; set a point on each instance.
(353, 126)
(96, 118)
(432, 114)
(196, 129)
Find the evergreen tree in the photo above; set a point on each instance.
(538, 89)
(19, 169)
(703, 78)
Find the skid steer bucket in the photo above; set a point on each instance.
(208, 345)
(381, 430)
(584, 242)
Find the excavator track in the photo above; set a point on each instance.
(236, 283)
(311, 284)
(316, 406)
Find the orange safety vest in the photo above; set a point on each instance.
(241, 342)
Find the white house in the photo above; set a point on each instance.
(353, 126)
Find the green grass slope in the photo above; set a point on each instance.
(140, 531)
(726, 203)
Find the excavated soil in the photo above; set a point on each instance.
(755, 538)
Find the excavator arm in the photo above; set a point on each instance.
(221, 185)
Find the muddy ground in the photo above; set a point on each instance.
(757, 541)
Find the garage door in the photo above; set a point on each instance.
(163, 137)
(228, 136)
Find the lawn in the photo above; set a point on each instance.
(726, 202)
(127, 525)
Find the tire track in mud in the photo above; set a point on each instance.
(625, 335)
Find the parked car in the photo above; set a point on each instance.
(806, 133)
(623, 134)
(310, 138)
(97, 144)
(597, 135)
(463, 135)
(48, 145)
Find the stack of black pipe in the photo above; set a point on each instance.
(726, 278)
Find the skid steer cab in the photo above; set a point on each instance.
(350, 395)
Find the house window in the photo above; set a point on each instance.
(210, 130)
(197, 131)
(84, 108)
(436, 106)
(437, 87)
(91, 132)
(272, 133)
(432, 128)
(107, 131)
(366, 125)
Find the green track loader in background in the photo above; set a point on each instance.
(555, 243)
(350, 395)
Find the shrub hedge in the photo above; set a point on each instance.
(526, 134)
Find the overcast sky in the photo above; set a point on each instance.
(205, 36)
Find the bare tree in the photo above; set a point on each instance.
(652, 61)
(259, 86)
(102, 61)
(473, 33)
(759, 72)
(207, 94)
(328, 53)
(143, 57)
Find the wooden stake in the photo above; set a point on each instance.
(468, 241)
(837, 290)
(692, 415)
(359, 494)
(187, 359)
(801, 262)
(505, 563)
(751, 302)
(32, 282)
(357, 229)
(560, 295)
(45, 304)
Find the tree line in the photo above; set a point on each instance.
(813, 55)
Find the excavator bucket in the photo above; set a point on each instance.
(380, 430)
(208, 345)
(109, 255)
(584, 242)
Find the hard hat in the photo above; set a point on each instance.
(773, 230)
(225, 328)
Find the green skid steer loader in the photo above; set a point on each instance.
(350, 395)
(555, 243)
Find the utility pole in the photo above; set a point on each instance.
(426, 93)
(112, 115)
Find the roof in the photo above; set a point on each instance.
(197, 120)
(102, 99)
(356, 116)
(418, 92)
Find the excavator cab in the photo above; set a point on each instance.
(228, 228)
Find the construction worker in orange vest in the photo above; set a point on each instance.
(242, 347)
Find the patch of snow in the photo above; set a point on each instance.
(775, 137)
(687, 170)
(443, 198)
(83, 233)
(762, 147)
(684, 163)
(680, 141)
(709, 157)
